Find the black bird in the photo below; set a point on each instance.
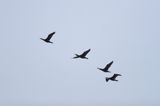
(107, 67)
(83, 55)
(113, 78)
(48, 37)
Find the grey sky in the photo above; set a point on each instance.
(33, 73)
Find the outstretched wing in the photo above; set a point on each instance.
(85, 53)
(115, 75)
(50, 36)
(108, 65)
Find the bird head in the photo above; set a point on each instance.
(107, 79)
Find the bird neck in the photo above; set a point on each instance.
(77, 55)
(42, 39)
(100, 69)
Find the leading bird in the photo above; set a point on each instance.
(48, 37)
(113, 78)
(83, 55)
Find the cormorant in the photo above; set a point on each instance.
(83, 55)
(107, 67)
(113, 78)
(48, 37)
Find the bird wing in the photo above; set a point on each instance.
(109, 65)
(115, 75)
(86, 52)
(50, 36)
(118, 74)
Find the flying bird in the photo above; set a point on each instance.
(83, 55)
(107, 67)
(48, 37)
(113, 78)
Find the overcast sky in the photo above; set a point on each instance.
(34, 73)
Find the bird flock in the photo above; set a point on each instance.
(83, 56)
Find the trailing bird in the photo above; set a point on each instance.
(107, 67)
(113, 78)
(83, 55)
(48, 37)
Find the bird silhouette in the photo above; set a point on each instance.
(83, 55)
(113, 78)
(48, 37)
(107, 67)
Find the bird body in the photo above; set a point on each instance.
(107, 67)
(83, 55)
(113, 78)
(48, 38)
